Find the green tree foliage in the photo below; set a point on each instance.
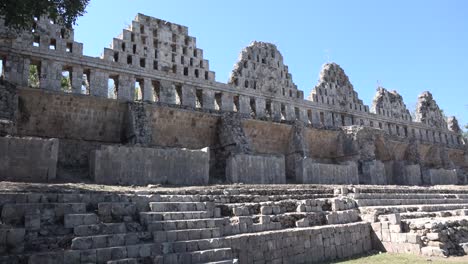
(20, 14)
(33, 79)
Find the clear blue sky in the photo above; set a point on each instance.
(409, 46)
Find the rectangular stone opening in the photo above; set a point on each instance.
(66, 80)
(182, 60)
(123, 46)
(283, 112)
(142, 62)
(253, 107)
(235, 100)
(268, 108)
(129, 59)
(85, 82)
(69, 47)
(195, 53)
(112, 86)
(156, 90)
(206, 75)
(389, 129)
(155, 65)
(343, 120)
(36, 41)
(2, 67)
(178, 89)
(174, 69)
(196, 73)
(115, 57)
(139, 87)
(34, 77)
(186, 71)
(309, 116)
(371, 123)
(173, 58)
(53, 44)
(297, 114)
(333, 119)
(322, 118)
(380, 125)
(218, 101)
(352, 121)
(199, 98)
(134, 48)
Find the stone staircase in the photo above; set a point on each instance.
(69, 230)
(427, 221)
(208, 225)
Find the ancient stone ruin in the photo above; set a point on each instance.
(149, 112)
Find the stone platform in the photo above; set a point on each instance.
(82, 223)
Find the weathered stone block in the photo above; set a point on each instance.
(28, 159)
(308, 171)
(440, 176)
(265, 169)
(141, 166)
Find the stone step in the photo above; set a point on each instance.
(100, 229)
(410, 190)
(14, 213)
(123, 261)
(116, 209)
(228, 261)
(381, 202)
(380, 210)
(114, 240)
(204, 256)
(186, 234)
(103, 255)
(191, 245)
(180, 206)
(180, 198)
(362, 196)
(443, 213)
(160, 216)
(227, 199)
(186, 224)
(74, 220)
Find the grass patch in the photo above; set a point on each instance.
(389, 258)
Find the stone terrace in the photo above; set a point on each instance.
(226, 223)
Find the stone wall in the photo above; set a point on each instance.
(309, 171)
(69, 116)
(142, 166)
(373, 172)
(440, 176)
(263, 169)
(158, 62)
(28, 159)
(302, 245)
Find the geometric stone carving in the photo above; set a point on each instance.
(428, 112)
(390, 103)
(260, 67)
(334, 88)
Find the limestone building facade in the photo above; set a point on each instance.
(153, 88)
